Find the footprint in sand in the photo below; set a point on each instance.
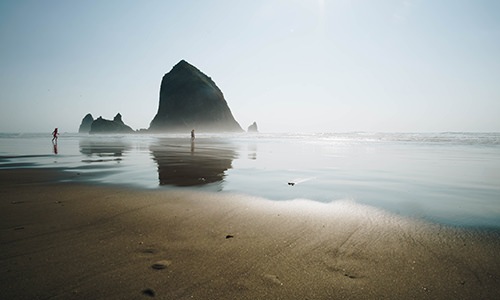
(161, 264)
(272, 279)
(350, 276)
(347, 274)
(149, 292)
(149, 251)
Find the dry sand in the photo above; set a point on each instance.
(74, 241)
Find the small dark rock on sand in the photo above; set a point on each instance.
(149, 292)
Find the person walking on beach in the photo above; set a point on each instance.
(192, 135)
(54, 134)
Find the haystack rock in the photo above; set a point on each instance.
(253, 127)
(101, 125)
(86, 124)
(190, 100)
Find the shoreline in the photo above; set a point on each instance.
(81, 241)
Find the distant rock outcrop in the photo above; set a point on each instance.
(190, 100)
(86, 124)
(101, 125)
(253, 127)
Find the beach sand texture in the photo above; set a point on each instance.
(75, 241)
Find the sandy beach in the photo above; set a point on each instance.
(62, 240)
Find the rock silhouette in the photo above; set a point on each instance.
(86, 124)
(253, 127)
(101, 125)
(189, 99)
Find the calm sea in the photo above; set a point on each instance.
(450, 178)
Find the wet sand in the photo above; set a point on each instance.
(77, 241)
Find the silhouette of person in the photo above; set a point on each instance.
(54, 134)
(192, 134)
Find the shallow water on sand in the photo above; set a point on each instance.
(451, 178)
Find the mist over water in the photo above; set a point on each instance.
(450, 178)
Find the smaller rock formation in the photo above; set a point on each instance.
(253, 127)
(86, 124)
(101, 125)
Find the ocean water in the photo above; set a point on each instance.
(449, 178)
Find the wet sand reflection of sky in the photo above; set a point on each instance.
(450, 177)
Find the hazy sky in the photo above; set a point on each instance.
(294, 65)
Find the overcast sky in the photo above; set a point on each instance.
(294, 65)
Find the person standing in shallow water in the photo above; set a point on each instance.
(54, 134)
(192, 134)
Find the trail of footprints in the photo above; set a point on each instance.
(332, 266)
(158, 265)
(165, 263)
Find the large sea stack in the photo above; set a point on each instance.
(190, 100)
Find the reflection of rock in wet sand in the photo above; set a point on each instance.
(103, 147)
(184, 163)
(252, 151)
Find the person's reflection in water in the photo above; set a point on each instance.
(181, 165)
(54, 144)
